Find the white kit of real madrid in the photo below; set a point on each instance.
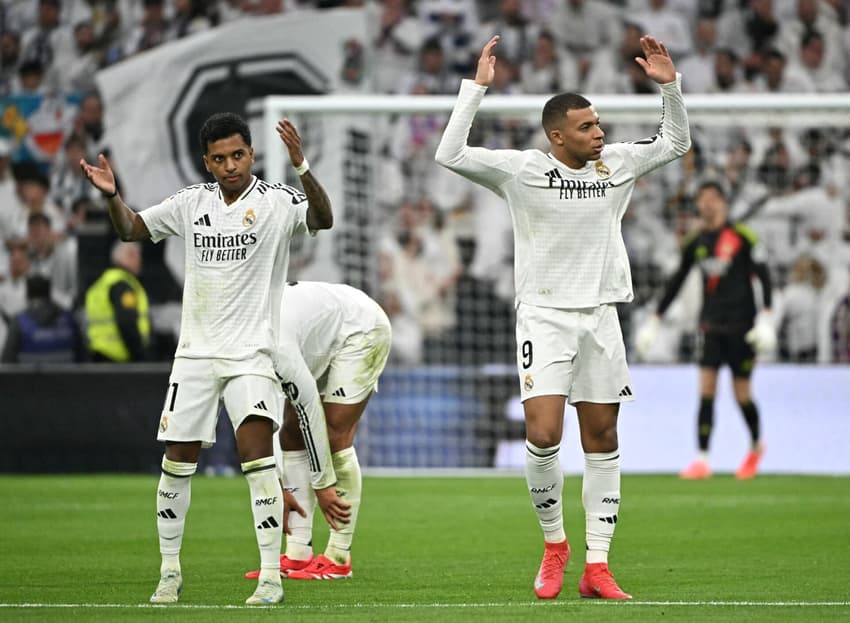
(237, 257)
(333, 345)
(571, 265)
(343, 335)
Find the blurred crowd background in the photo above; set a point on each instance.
(444, 246)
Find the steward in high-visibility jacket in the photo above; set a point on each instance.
(118, 319)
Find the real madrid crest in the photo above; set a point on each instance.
(602, 171)
(250, 218)
(528, 383)
(163, 423)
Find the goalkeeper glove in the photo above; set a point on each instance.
(762, 337)
(646, 335)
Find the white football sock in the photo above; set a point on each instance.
(348, 487)
(267, 506)
(173, 496)
(296, 480)
(601, 497)
(545, 478)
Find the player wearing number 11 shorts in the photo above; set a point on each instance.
(236, 231)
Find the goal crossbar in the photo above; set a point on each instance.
(751, 110)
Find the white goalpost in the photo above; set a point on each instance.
(747, 110)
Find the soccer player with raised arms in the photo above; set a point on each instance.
(237, 233)
(570, 271)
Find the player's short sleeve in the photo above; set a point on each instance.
(299, 219)
(295, 205)
(167, 218)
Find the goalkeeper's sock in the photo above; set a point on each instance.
(601, 497)
(267, 507)
(705, 422)
(348, 486)
(296, 480)
(751, 417)
(173, 496)
(545, 478)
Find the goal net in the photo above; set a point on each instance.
(436, 251)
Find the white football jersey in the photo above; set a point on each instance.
(237, 257)
(568, 246)
(319, 317)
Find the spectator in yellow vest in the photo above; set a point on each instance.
(117, 314)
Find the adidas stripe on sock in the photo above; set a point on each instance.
(601, 497)
(173, 496)
(267, 507)
(545, 478)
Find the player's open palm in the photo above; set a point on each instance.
(100, 176)
(333, 508)
(487, 63)
(658, 65)
(289, 135)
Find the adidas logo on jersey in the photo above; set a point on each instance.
(553, 175)
(261, 405)
(204, 221)
(340, 393)
(626, 391)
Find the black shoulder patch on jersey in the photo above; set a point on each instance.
(646, 141)
(297, 195)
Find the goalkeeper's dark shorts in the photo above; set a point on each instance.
(716, 348)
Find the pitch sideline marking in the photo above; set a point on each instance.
(749, 604)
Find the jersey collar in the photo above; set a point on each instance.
(254, 181)
(567, 167)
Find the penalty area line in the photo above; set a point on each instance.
(434, 605)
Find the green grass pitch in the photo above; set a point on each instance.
(84, 548)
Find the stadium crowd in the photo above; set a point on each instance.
(444, 257)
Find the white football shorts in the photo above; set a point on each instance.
(197, 387)
(577, 353)
(353, 372)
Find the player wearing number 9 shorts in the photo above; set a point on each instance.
(575, 353)
(570, 270)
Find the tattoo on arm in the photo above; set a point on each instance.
(319, 214)
(127, 223)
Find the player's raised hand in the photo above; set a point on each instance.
(290, 504)
(290, 137)
(487, 63)
(101, 177)
(333, 508)
(658, 64)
